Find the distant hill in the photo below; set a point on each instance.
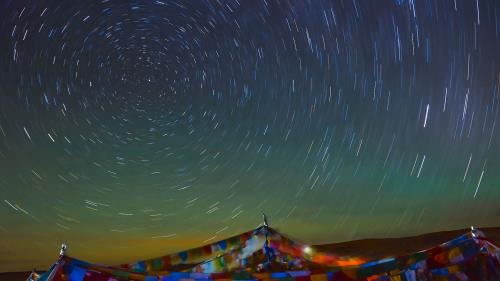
(384, 247)
(14, 276)
(367, 248)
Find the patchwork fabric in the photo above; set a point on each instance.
(266, 255)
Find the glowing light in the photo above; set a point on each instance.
(308, 250)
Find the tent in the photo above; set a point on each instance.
(267, 255)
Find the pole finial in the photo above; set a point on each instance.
(64, 247)
(264, 218)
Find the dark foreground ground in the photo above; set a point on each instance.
(368, 248)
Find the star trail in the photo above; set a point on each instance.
(130, 129)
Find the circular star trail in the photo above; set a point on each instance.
(131, 129)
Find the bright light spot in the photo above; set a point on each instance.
(307, 250)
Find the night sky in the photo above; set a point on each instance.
(131, 129)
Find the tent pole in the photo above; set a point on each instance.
(62, 253)
(267, 249)
(264, 218)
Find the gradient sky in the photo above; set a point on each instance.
(131, 129)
